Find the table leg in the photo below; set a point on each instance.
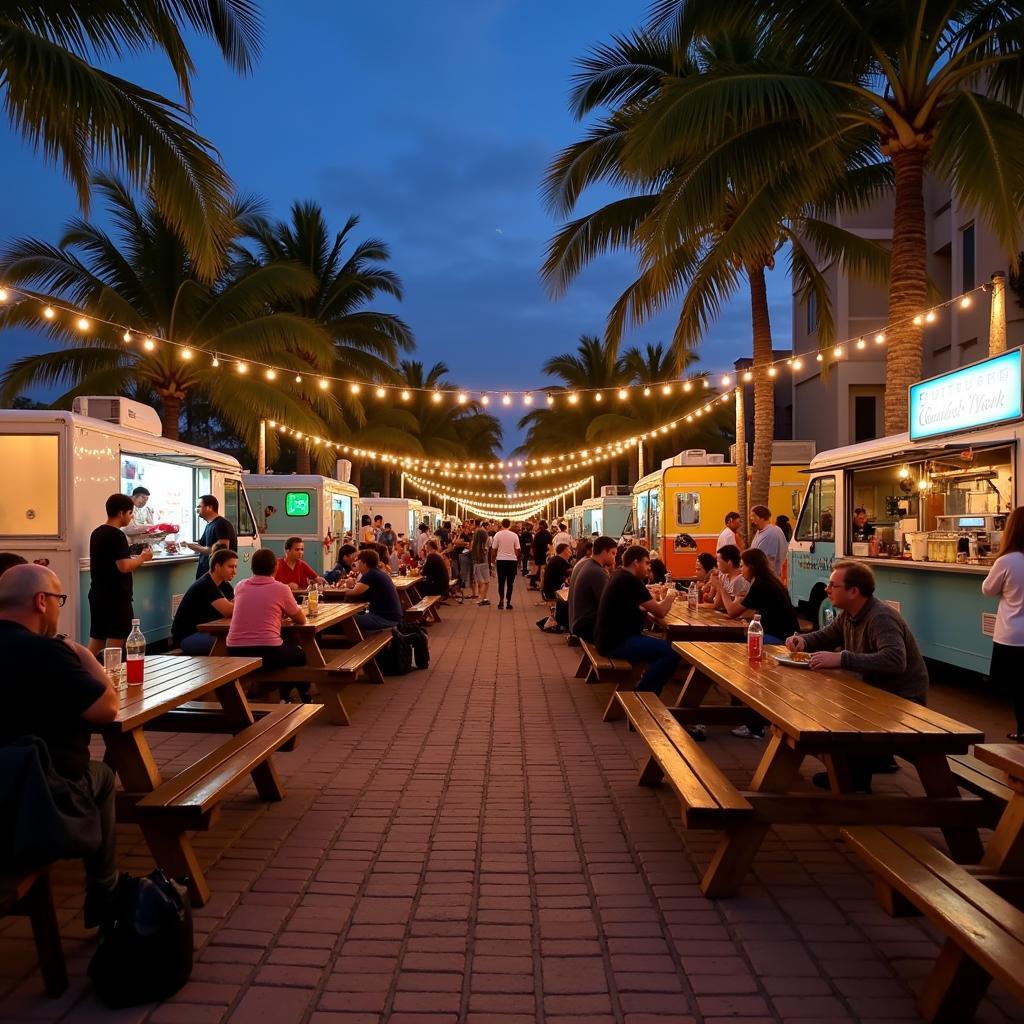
(1005, 850)
(239, 716)
(694, 690)
(938, 780)
(330, 697)
(776, 773)
(173, 852)
(129, 755)
(220, 646)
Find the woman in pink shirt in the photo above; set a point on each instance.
(261, 605)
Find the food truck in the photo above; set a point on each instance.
(608, 513)
(936, 498)
(574, 521)
(679, 510)
(404, 514)
(61, 468)
(323, 511)
(432, 516)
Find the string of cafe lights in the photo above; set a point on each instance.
(50, 310)
(495, 497)
(524, 513)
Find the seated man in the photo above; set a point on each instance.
(210, 597)
(874, 641)
(435, 578)
(57, 691)
(261, 606)
(622, 615)
(586, 585)
(376, 588)
(556, 571)
(292, 570)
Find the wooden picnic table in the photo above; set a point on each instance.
(170, 682)
(832, 715)
(701, 623)
(328, 672)
(405, 585)
(1005, 850)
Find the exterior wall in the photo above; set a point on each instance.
(823, 403)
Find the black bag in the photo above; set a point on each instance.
(417, 636)
(146, 954)
(396, 658)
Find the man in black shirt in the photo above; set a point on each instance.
(541, 543)
(110, 567)
(217, 528)
(622, 615)
(56, 690)
(556, 572)
(210, 597)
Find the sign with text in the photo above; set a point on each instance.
(974, 396)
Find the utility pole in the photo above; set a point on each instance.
(261, 450)
(640, 459)
(741, 460)
(401, 486)
(997, 315)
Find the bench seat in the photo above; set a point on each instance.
(192, 799)
(351, 660)
(596, 668)
(30, 895)
(984, 932)
(425, 608)
(984, 779)
(708, 798)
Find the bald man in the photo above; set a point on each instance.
(56, 690)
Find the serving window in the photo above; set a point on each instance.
(688, 508)
(31, 508)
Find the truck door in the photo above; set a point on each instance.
(813, 548)
(239, 513)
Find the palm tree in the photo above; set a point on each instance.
(367, 343)
(709, 218)
(79, 115)
(144, 280)
(938, 88)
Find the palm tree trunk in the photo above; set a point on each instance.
(613, 476)
(907, 287)
(764, 388)
(356, 476)
(170, 415)
(386, 489)
(302, 461)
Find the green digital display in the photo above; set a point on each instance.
(296, 503)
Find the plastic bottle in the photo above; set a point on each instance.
(669, 584)
(755, 639)
(692, 596)
(312, 598)
(135, 649)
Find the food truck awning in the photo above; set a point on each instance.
(185, 459)
(911, 453)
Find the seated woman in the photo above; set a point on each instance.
(658, 570)
(767, 597)
(261, 606)
(706, 564)
(434, 572)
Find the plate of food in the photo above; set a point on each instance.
(795, 659)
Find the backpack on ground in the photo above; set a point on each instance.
(146, 953)
(417, 636)
(396, 658)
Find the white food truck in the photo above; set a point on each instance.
(62, 466)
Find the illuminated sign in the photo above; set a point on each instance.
(973, 396)
(296, 503)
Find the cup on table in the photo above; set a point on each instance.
(112, 664)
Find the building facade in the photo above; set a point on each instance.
(840, 402)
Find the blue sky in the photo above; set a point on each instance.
(433, 123)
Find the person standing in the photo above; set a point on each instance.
(217, 528)
(388, 538)
(541, 543)
(142, 518)
(622, 614)
(1005, 580)
(769, 538)
(378, 528)
(731, 533)
(210, 597)
(366, 531)
(110, 569)
(505, 555)
(292, 570)
(561, 537)
(526, 546)
(478, 552)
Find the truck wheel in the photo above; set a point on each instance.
(818, 606)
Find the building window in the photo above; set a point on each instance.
(864, 412)
(967, 247)
(812, 313)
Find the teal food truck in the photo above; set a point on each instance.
(936, 502)
(608, 514)
(322, 511)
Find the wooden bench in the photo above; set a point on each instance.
(596, 668)
(424, 609)
(984, 932)
(708, 798)
(31, 895)
(984, 779)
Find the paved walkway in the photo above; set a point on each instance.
(474, 848)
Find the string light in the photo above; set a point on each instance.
(49, 313)
(405, 396)
(126, 337)
(381, 393)
(186, 353)
(82, 324)
(506, 399)
(242, 368)
(270, 375)
(436, 397)
(324, 383)
(354, 388)
(527, 399)
(216, 362)
(3, 294)
(298, 378)
(149, 344)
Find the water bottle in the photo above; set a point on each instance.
(312, 597)
(692, 596)
(755, 639)
(669, 583)
(135, 648)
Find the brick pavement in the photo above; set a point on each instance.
(474, 848)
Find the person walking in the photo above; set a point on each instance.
(505, 555)
(478, 552)
(1005, 580)
(110, 569)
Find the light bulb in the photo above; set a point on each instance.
(3, 294)
(904, 473)
(918, 320)
(485, 400)
(241, 367)
(879, 338)
(270, 374)
(819, 357)
(666, 389)
(772, 372)
(623, 394)
(930, 316)
(381, 393)
(965, 302)
(405, 396)
(837, 352)
(747, 377)
(354, 388)
(551, 399)
(462, 398)
(861, 343)
(49, 313)
(707, 383)
(506, 399)
(216, 362)
(82, 324)
(598, 397)
(922, 484)
(573, 399)
(527, 399)
(126, 337)
(186, 353)
(298, 378)
(687, 387)
(647, 392)
(798, 364)
(324, 384)
(149, 344)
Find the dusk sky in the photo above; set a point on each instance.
(434, 123)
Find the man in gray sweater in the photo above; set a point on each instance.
(873, 640)
(586, 585)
